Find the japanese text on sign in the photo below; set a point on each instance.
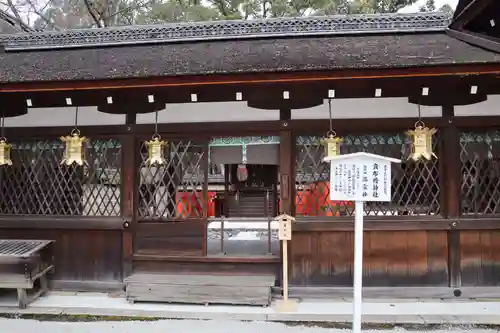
(361, 179)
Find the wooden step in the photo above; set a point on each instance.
(200, 288)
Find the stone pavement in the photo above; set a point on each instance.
(409, 311)
(188, 326)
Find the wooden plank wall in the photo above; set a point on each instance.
(400, 251)
(480, 257)
(391, 258)
(185, 238)
(80, 255)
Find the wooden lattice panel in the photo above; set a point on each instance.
(37, 183)
(415, 185)
(174, 190)
(480, 161)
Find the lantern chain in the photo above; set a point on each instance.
(331, 131)
(419, 122)
(2, 134)
(156, 135)
(75, 130)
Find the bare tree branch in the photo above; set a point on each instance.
(222, 8)
(42, 16)
(91, 9)
(130, 9)
(14, 10)
(13, 21)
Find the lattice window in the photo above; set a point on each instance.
(480, 160)
(37, 183)
(415, 186)
(174, 191)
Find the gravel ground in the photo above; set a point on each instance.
(177, 326)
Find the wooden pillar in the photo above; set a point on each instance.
(205, 164)
(286, 167)
(128, 195)
(287, 176)
(450, 182)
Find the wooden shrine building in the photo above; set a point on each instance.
(244, 106)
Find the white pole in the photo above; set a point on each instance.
(358, 266)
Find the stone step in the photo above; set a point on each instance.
(200, 288)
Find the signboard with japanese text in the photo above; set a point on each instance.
(360, 177)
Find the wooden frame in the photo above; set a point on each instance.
(119, 239)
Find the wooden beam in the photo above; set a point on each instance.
(201, 130)
(479, 40)
(204, 259)
(291, 95)
(285, 114)
(131, 107)
(469, 13)
(300, 100)
(131, 118)
(460, 96)
(61, 222)
(390, 223)
(391, 293)
(462, 4)
(396, 223)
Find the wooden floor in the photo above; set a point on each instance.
(200, 288)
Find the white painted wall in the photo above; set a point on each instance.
(490, 107)
(367, 108)
(42, 117)
(239, 111)
(208, 112)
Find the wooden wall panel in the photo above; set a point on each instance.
(400, 258)
(184, 238)
(84, 255)
(480, 257)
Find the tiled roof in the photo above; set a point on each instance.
(229, 30)
(278, 45)
(241, 56)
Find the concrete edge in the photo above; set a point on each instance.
(413, 322)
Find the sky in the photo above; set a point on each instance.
(414, 8)
(410, 9)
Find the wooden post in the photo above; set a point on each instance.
(206, 200)
(285, 270)
(285, 234)
(287, 188)
(286, 166)
(450, 183)
(286, 169)
(128, 194)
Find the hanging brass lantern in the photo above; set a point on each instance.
(156, 147)
(332, 144)
(5, 152)
(421, 139)
(74, 152)
(5, 147)
(156, 151)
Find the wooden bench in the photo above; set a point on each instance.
(23, 263)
